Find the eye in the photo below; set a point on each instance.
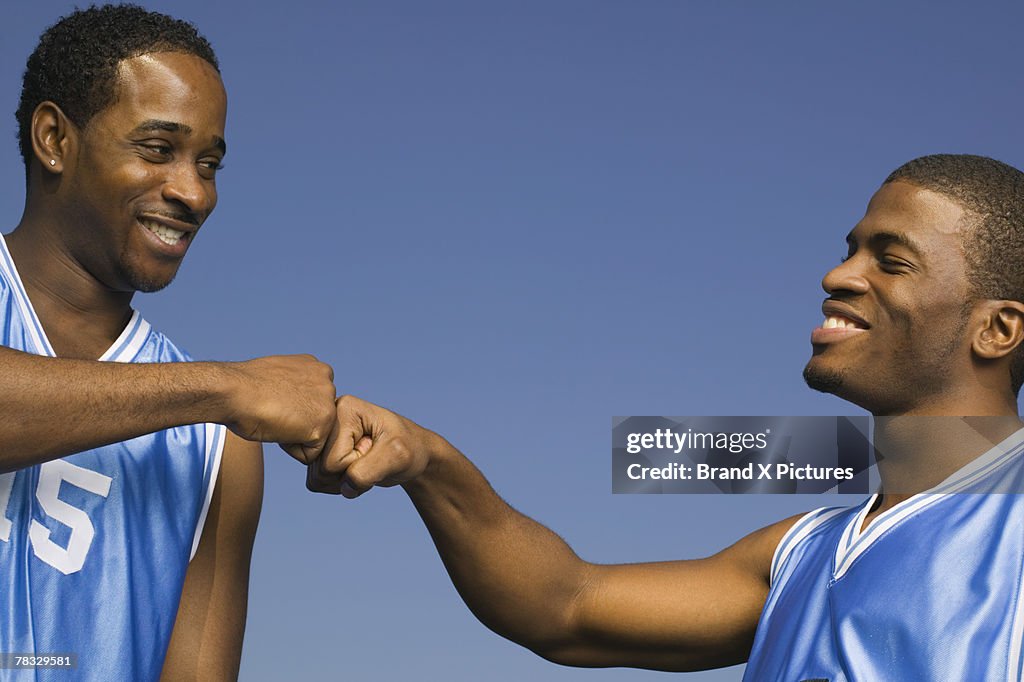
(156, 150)
(208, 167)
(211, 164)
(891, 263)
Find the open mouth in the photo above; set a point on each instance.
(840, 322)
(168, 235)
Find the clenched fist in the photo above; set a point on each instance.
(370, 446)
(286, 399)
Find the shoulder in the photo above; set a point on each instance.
(141, 342)
(240, 484)
(760, 552)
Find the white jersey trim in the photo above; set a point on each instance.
(215, 437)
(1014, 670)
(804, 526)
(35, 328)
(130, 342)
(857, 541)
(125, 347)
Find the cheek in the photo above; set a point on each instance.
(116, 173)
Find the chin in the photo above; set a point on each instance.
(824, 379)
(148, 287)
(837, 382)
(146, 282)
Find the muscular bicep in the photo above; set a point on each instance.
(679, 615)
(207, 638)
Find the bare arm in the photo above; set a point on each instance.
(526, 584)
(207, 640)
(285, 399)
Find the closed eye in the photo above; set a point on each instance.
(162, 151)
(891, 263)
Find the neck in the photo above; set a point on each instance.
(917, 452)
(79, 313)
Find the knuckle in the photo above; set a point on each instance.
(330, 467)
(359, 480)
(400, 452)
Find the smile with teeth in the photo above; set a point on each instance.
(834, 321)
(167, 235)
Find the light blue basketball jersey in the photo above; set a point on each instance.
(929, 591)
(94, 546)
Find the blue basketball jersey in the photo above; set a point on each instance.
(94, 546)
(929, 591)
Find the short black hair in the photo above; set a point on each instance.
(75, 63)
(993, 193)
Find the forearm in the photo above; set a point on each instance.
(526, 584)
(519, 578)
(52, 407)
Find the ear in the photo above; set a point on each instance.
(1002, 330)
(53, 136)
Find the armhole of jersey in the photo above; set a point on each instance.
(214, 450)
(1016, 664)
(804, 526)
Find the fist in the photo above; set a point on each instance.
(286, 399)
(370, 446)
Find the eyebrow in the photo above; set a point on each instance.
(157, 125)
(885, 238)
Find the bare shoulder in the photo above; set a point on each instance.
(206, 642)
(754, 552)
(240, 483)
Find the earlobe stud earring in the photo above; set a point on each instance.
(52, 162)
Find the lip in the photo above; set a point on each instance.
(156, 244)
(172, 223)
(832, 308)
(820, 336)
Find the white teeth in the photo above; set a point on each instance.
(167, 235)
(840, 322)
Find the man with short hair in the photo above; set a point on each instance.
(923, 321)
(127, 509)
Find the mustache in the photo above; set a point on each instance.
(181, 216)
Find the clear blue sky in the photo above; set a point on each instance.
(512, 221)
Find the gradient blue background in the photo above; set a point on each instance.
(511, 221)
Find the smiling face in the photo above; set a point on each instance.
(143, 179)
(894, 338)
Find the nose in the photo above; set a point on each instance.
(846, 277)
(185, 186)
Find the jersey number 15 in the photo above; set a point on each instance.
(70, 559)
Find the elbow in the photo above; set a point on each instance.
(561, 636)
